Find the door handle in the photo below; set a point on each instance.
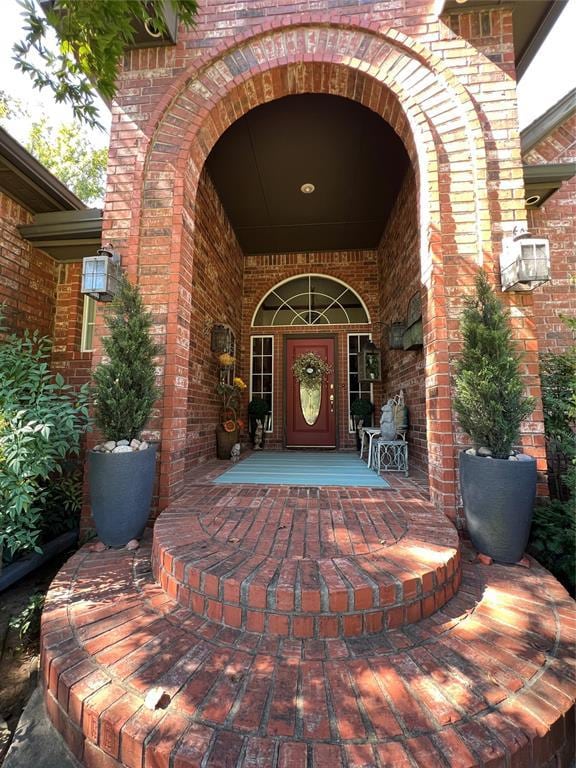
(331, 403)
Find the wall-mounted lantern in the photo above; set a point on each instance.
(395, 334)
(101, 274)
(524, 262)
(370, 363)
(221, 339)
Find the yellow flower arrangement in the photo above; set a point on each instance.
(226, 361)
(239, 384)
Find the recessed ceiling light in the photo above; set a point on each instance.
(307, 188)
(533, 199)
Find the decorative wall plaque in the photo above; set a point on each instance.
(413, 337)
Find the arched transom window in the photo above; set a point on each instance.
(311, 300)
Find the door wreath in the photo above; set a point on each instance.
(311, 370)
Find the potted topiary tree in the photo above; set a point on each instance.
(122, 468)
(498, 484)
(361, 411)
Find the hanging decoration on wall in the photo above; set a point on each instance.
(413, 337)
(311, 370)
(370, 367)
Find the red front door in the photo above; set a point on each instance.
(310, 419)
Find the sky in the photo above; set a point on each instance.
(548, 79)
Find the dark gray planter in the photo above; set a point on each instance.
(498, 497)
(120, 487)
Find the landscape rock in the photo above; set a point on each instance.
(123, 442)
(133, 544)
(122, 449)
(471, 451)
(109, 445)
(143, 445)
(482, 451)
(98, 546)
(134, 444)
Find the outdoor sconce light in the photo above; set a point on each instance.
(524, 262)
(101, 274)
(370, 364)
(221, 340)
(395, 334)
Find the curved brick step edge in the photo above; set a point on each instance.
(377, 601)
(495, 680)
(243, 586)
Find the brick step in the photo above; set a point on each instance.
(488, 680)
(306, 563)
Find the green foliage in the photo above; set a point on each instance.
(258, 408)
(361, 407)
(558, 378)
(67, 152)
(27, 622)
(124, 385)
(553, 535)
(490, 400)
(11, 107)
(552, 539)
(92, 39)
(63, 503)
(42, 420)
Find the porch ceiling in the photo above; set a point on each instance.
(352, 157)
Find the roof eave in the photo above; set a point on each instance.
(543, 125)
(27, 165)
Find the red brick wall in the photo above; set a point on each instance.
(555, 219)
(216, 298)
(28, 277)
(358, 269)
(41, 294)
(67, 358)
(399, 266)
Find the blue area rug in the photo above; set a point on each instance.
(315, 468)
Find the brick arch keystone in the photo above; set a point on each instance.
(396, 77)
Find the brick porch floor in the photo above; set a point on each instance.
(304, 628)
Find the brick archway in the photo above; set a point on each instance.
(395, 77)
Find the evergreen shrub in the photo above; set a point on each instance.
(42, 420)
(490, 400)
(124, 389)
(553, 536)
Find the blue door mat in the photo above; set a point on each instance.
(313, 468)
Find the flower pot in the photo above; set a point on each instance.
(498, 497)
(120, 486)
(225, 441)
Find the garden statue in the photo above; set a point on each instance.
(235, 453)
(258, 435)
(387, 422)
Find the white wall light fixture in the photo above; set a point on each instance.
(524, 261)
(101, 274)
